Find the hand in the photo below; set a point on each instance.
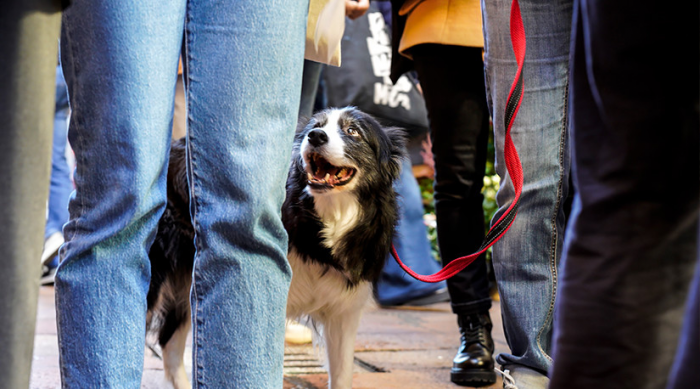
(356, 8)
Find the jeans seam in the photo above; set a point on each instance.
(80, 205)
(556, 232)
(197, 378)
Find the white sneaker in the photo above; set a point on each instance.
(508, 381)
(51, 246)
(48, 276)
(297, 333)
(521, 377)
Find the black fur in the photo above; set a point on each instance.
(172, 253)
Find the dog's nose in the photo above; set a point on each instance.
(318, 137)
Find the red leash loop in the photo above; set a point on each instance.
(513, 165)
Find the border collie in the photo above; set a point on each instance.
(340, 214)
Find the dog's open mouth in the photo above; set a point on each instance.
(326, 175)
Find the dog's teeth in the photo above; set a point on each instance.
(328, 176)
(310, 176)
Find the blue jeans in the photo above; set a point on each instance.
(526, 258)
(394, 285)
(61, 185)
(243, 66)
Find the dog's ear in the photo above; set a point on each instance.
(396, 150)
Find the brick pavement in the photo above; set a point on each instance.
(396, 348)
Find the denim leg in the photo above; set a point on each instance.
(120, 63)
(631, 243)
(243, 77)
(525, 259)
(394, 285)
(61, 185)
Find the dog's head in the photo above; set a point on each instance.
(342, 149)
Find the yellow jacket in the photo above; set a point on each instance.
(447, 22)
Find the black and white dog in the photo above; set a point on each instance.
(340, 214)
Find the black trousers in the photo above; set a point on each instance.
(631, 245)
(452, 79)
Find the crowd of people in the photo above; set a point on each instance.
(598, 275)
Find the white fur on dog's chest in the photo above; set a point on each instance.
(339, 213)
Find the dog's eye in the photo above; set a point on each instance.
(352, 131)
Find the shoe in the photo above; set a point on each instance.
(473, 365)
(48, 275)
(517, 376)
(51, 246)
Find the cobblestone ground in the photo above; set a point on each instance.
(396, 348)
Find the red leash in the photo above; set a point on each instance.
(513, 165)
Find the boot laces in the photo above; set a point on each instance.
(508, 381)
(474, 334)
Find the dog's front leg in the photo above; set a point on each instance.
(173, 353)
(339, 334)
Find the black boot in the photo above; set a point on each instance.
(473, 365)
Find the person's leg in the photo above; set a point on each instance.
(631, 246)
(29, 46)
(394, 286)
(309, 87)
(685, 373)
(120, 64)
(61, 185)
(452, 79)
(243, 78)
(525, 259)
(454, 96)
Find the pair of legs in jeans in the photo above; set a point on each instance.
(527, 257)
(243, 65)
